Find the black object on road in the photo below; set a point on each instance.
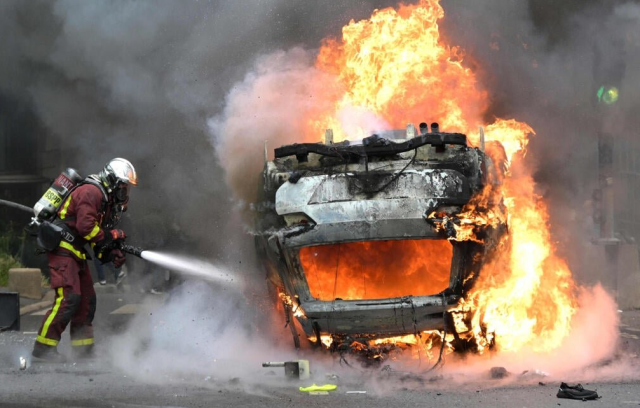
(9, 311)
(576, 392)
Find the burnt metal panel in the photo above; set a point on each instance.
(411, 314)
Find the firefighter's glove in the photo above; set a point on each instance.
(112, 240)
(117, 257)
(116, 234)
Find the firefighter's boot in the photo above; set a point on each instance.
(84, 352)
(47, 353)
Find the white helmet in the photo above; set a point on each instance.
(118, 171)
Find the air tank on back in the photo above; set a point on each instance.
(50, 202)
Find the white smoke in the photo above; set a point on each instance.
(152, 80)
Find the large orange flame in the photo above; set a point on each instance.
(396, 69)
(377, 269)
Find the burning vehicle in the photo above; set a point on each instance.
(362, 242)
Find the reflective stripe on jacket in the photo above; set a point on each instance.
(83, 212)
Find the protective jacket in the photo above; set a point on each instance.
(83, 213)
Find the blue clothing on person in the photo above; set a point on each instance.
(118, 273)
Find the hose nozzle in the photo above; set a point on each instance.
(130, 249)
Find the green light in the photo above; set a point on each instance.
(608, 95)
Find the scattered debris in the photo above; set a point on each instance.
(23, 363)
(498, 372)
(534, 373)
(577, 392)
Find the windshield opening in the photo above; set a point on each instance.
(377, 269)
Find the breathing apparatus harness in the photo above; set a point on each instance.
(52, 231)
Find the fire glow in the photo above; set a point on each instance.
(396, 67)
(377, 269)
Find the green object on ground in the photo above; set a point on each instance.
(315, 387)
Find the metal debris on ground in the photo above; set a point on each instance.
(534, 373)
(298, 369)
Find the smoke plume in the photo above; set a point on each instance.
(190, 91)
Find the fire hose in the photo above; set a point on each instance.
(130, 249)
(16, 206)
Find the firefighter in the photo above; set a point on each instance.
(90, 213)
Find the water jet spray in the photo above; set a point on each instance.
(183, 265)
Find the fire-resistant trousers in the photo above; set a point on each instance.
(75, 302)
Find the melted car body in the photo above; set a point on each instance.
(348, 235)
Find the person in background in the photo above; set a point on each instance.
(118, 273)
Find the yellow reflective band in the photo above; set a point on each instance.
(63, 213)
(46, 341)
(93, 233)
(83, 342)
(70, 247)
(42, 337)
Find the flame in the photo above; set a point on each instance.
(422, 343)
(288, 302)
(394, 68)
(377, 269)
(325, 339)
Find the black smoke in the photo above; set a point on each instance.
(543, 63)
(140, 80)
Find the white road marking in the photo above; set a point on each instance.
(131, 308)
(632, 329)
(40, 313)
(628, 336)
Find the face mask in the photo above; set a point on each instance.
(122, 193)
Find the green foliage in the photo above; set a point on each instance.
(7, 262)
(10, 241)
(45, 282)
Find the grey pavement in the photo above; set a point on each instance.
(100, 383)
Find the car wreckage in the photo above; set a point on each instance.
(359, 239)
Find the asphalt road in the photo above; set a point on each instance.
(109, 382)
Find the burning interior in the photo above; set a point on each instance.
(359, 240)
